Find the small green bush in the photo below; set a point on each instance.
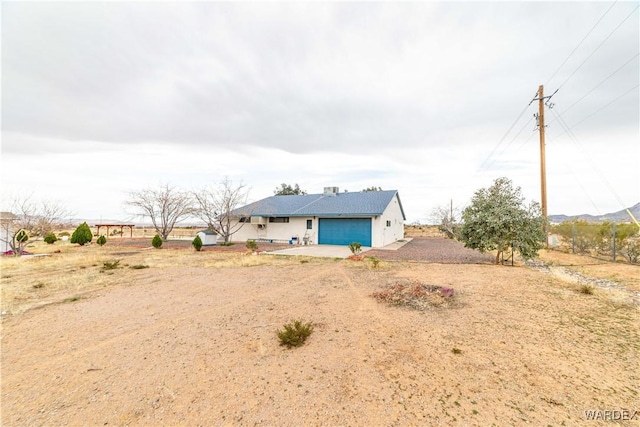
(82, 235)
(156, 242)
(102, 240)
(50, 238)
(64, 233)
(295, 333)
(355, 247)
(375, 261)
(252, 245)
(21, 236)
(197, 243)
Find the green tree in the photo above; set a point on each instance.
(197, 243)
(156, 242)
(497, 218)
(102, 240)
(82, 235)
(288, 190)
(50, 238)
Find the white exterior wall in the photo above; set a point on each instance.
(6, 229)
(296, 227)
(381, 235)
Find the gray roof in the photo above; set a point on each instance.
(366, 203)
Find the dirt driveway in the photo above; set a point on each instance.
(193, 343)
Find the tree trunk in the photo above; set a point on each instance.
(498, 257)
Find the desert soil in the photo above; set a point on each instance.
(191, 340)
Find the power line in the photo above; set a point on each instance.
(599, 84)
(599, 46)
(581, 41)
(482, 166)
(509, 143)
(604, 106)
(586, 154)
(584, 190)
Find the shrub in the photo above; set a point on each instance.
(355, 247)
(64, 233)
(82, 235)
(587, 289)
(295, 333)
(21, 236)
(50, 238)
(252, 245)
(156, 242)
(139, 267)
(110, 265)
(375, 261)
(631, 251)
(101, 240)
(197, 243)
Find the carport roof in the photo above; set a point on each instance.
(365, 203)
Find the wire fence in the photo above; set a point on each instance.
(608, 241)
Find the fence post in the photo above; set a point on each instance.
(573, 237)
(613, 234)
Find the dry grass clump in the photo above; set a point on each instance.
(417, 296)
(587, 289)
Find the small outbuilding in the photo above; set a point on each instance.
(208, 237)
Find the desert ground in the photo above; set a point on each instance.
(130, 335)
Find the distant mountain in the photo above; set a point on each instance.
(620, 216)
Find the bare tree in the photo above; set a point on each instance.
(448, 220)
(27, 220)
(165, 205)
(214, 206)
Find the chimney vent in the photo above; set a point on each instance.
(331, 191)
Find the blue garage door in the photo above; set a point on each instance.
(342, 231)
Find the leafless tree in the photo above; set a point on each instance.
(448, 220)
(214, 206)
(165, 206)
(26, 220)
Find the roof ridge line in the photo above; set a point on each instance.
(309, 204)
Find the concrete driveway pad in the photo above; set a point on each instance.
(324, 251)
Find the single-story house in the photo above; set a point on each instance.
(372, 218)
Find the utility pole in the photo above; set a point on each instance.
(543, 166)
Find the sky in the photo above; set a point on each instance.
(433, 99)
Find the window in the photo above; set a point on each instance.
(388, 223)
(245, 219)
(279, 219)
(309, 224)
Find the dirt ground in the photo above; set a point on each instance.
(191, 340)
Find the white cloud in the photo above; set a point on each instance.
(411, 96)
